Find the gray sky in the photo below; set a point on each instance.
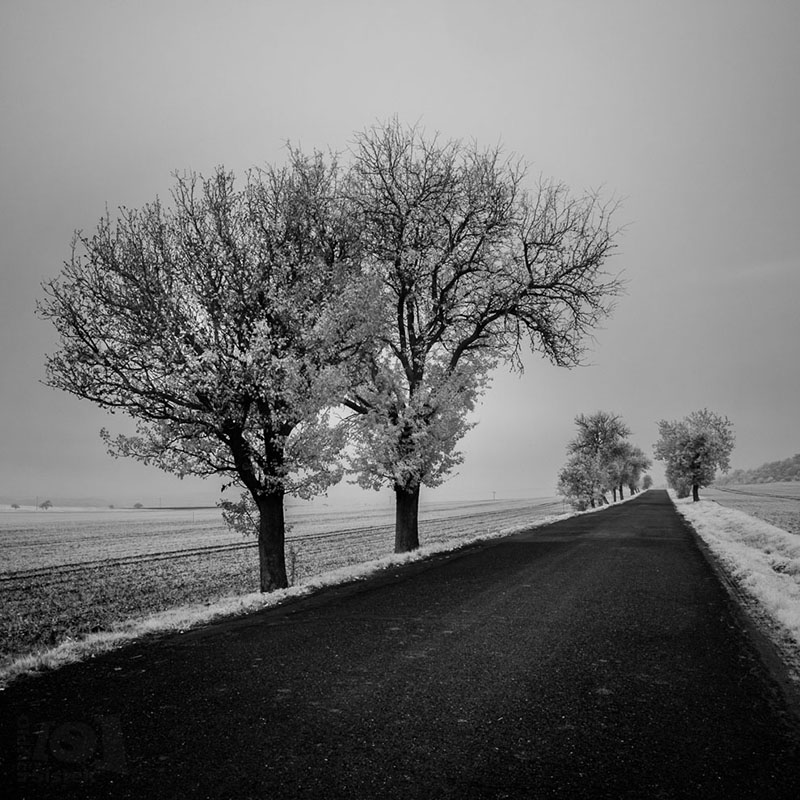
(690, 110)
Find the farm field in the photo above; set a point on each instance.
(65, 574)
(33, 540)
(776, 503)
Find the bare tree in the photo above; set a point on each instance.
(470, 269)
(218, 325)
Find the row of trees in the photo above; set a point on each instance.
(601, 461)
(772, 471)
(323, 318)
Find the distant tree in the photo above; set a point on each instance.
(602, 436)
(580, 481)
(633, 463)
(678, 481)
(220, 324)
(786, 470)
(471, 269)
(46, 505)
(15, 506)
(138, 505)
(693, 449)
(601, 459)
(647, 482)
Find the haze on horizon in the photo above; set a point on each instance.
(687, 111)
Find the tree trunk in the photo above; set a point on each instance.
(406, 520)
(621, 495)
(695, 492)
(271, 536)
(615, 493)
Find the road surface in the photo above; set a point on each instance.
(599, 657)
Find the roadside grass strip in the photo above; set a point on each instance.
(184, 617)
(763, 561)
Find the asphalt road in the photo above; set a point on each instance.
(599, 657)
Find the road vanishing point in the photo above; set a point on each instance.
(596, 657)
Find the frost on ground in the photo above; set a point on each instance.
(763, 562)
(777, 503)
(183, 617)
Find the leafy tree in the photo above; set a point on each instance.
(647, 482)
(693, 448)
(470, 269)
(15, 506)
(220, 324)
(46, 505)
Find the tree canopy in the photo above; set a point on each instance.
(472, 268)
(220, 324)
(693, 449)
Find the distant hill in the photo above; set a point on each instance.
(774, 471)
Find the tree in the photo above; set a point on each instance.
(221, 325)
(470, 269)
(647, 482)
(678, 481)
(632, 463)
(601, 459)
(602, 437)
(46, 505)
(786, 470)
(693, 448)
(580, 481)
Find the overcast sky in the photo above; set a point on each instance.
(688, 109)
